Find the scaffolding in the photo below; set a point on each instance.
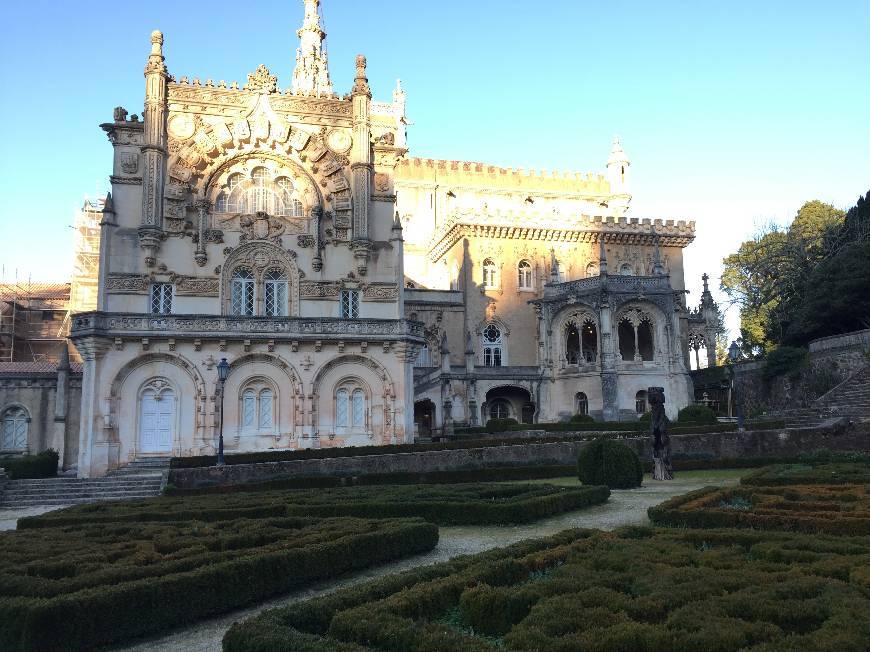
(86, 260)
(32, 320)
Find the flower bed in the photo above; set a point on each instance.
(834, 509)
(81, 586)
(634, 589)
(479, 504)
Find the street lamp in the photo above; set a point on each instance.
(734, 356)
(223, 370)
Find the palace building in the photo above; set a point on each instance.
(361, 296)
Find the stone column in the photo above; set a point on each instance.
(609, 390)
(361, 165)
(153, 151)
(202, 206)
(94, 449)
(61, 402)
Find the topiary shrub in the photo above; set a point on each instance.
(696, 414)
(611, 463)
(43, 465)
(581, 418)
(500, 425)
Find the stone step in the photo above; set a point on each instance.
(65, 483)
(45, 491)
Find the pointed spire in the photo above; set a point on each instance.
(443, 348)
(311, 75)
(63, 364)
(108, 206)
(397, 228)
(602, 256)
(469, 343)
(360, 81)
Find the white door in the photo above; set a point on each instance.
(156, 421)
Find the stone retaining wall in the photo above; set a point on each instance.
(730, 445)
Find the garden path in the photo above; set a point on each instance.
(625, 507)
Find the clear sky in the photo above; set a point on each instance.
(733, 113)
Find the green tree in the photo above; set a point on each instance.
(767, 277)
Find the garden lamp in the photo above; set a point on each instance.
(223, 370)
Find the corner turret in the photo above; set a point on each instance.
(618, 175)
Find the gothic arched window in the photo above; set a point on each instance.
(351, 409)
(16, 423)
(572, 343)
(257, 406)
(645, 340)
(524, 275)
(275, 293)
(242, 292)
(492, 346)
(625, 332)
(490, 274)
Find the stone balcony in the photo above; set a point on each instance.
(129, 325)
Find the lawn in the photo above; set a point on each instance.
(632, 589)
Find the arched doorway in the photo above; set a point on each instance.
(156, 418)
(424, 418)
(509, 403)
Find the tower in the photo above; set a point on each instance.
(618, 175)
(311, 75)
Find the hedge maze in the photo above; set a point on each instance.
(84, 585)
(633, 589)
(479, 504)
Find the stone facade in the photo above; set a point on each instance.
(253, 224)
(360, 296)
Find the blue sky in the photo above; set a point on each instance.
(733, 114)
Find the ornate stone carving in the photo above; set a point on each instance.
(261, 227)
(262, 81)
(129, 162)
(381, 292)
(315, 290)
(305, 241)
(127, 284)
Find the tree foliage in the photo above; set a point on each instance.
(809, 280)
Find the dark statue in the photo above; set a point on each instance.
(658, 428)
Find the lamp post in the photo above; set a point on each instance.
(734, 356)
(223, 370)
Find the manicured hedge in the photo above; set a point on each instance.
(41, 465)
(444, 504)
(840, 509)
(82, 586)
(610, 463)
(817, 467)
(633, 589)
(494, 474)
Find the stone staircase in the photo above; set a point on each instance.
(850, 399)
(140, 479)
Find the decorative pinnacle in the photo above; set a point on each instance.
(361, 82)
(602, 256)
(157, 43)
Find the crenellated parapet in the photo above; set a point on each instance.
(552, 227)
(473, 175)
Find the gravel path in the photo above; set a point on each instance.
(625, 507)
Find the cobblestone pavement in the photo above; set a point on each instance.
(625, 507)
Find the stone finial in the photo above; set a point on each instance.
(443, 348)
(157, 42)
(108, 205)
(361, 82)
(602, 256)
(554, 266)
(704, 279)
(396, 228)
(658, 268)
(469, 343)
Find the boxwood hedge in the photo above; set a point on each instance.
(632, 589)
(835, 509)
(443, 504)
(804, 473)
(81, 586)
